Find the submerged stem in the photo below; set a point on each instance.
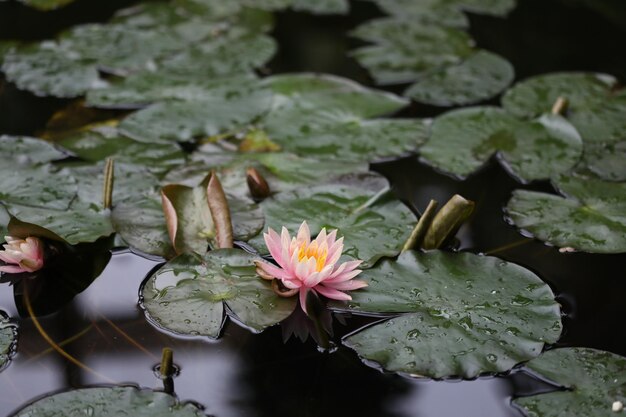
(420, 229)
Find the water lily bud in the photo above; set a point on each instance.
(22, 255)
(259, 188)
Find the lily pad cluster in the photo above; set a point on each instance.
(425, 43)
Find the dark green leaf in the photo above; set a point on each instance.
(187, 294)
(591, 218)
(468, 314)
(594, 380)
(480, 77)
(462, 141)
(596, 111)
(111, 402)
(605, 160)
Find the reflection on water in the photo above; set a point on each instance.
(239, 375)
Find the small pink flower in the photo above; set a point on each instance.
(22, 255)
(310, 265)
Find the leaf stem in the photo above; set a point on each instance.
(447, 222)
(107, 191)
(420, 229)
(167, 362)
(560, 106)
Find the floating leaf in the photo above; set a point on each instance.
(107, 142)
(37, 186)
(110, 402)
(183, 121)
(481, 76)
(46, 5)
(591, 217)
(462, 141)
(593, 381)
(8, 338)
(594, 107)
(468, 314)
(406, 50)
(142, 89)
(371, 230)
(326, 116)
(437, 12)
(283, 171)
(4, 221)
(322, 6)
(28, 151)
(187, 295)
(605, 160)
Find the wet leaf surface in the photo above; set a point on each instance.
(591, 216)
(480, 77)
(369, 233)
(110, 402)
(594, 380)
(595, 107)
(8, 338)
(467, 314)
(463, 140)
(29, 151)
(187, 295)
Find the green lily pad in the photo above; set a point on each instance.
(594, 107)
(45, 69)
(480, 77)
(110, 402)
(183, 121)
(282, 171)
(438, 12)
(467, 315)
(29, 151)
(404, 50)
(107, 142)
(592, 380)
(37, 186)
(325, 116)
(462, 141)
(8, 338)
(181, 40)
(357, 140)
(370, 233)
(142, 89)
(322, 6)
(591, 217)
(188, 294)
(605, 160)
(489, 7)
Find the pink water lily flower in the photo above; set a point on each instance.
(22, 255)
(310, 265)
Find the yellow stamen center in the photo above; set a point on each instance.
(312, 250)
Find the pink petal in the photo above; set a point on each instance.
(6, 257)
(334, 253)
(292, 283)
(344, 276)
(321, 237)
(12, 269)
(171, 219)
(318, 277)
(273, 270)
(332, 294)
(331, 237)
(304, 234)
(303, 292)
(354, 284)
(273, 243)
(284, 243)
(345, 271)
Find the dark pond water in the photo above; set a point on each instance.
(259, 375)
